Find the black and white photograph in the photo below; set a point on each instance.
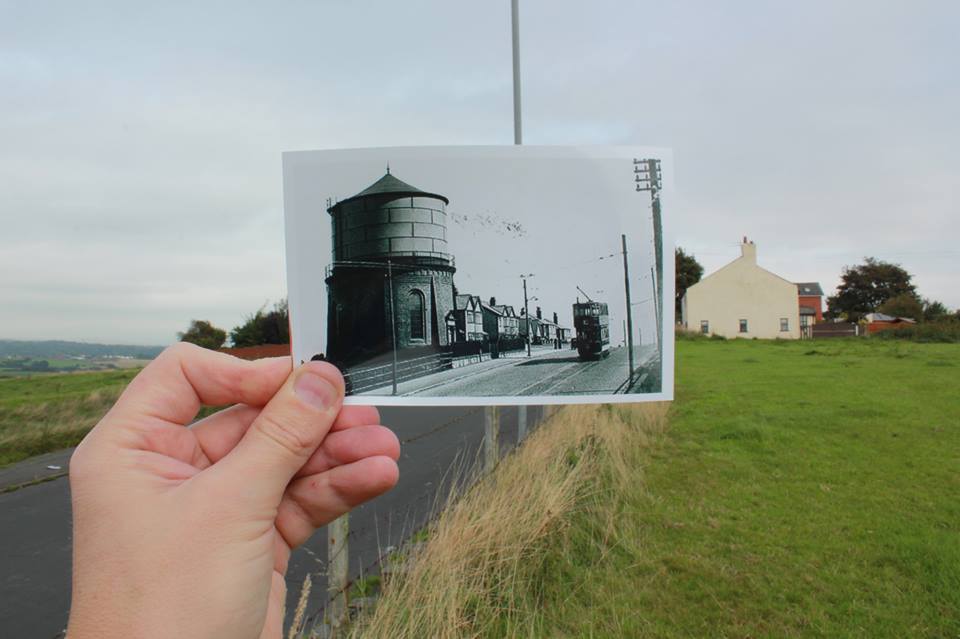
(483, 275)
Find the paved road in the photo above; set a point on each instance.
(546, 372)
(35, 520)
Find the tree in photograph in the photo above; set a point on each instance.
(688, 272)
(203, 333)
(903, 305)
(863, 288)
(264, 327)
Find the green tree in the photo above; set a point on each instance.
(863, 288)
(264, 327)
(934, 310)
(688, 272)
(203, 333)
(903, 305)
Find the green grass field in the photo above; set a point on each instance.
(40, 413)
(802, 489)
(805, 488)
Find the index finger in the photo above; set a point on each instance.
(184, 377)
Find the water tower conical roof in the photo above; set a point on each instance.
(390, 185)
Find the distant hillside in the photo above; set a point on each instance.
(55, 349)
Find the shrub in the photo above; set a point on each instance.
(943, 331)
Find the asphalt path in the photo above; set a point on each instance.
(439, 448)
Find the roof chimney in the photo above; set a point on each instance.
(748, 250)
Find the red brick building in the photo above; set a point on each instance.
(258, 352)
(810, 299)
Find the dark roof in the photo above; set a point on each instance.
(390, 185)
(463, 300)
(809, 288)
(807, 310)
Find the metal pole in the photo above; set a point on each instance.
(521, 423)
(656, 310)
(515, 22)
(653, 168)
(491, 430)
(626, 286)
(338, 571)
(393, 324)
(526, 312)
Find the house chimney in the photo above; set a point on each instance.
(539, 313)
(493, 301)
(555, 318)
(748, 250)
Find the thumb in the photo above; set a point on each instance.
(286, 432)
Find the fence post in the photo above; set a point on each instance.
(338, 566)
(491, 431)
(521, 423)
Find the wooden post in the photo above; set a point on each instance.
(491, 431)
(338, 567)
(521, 423)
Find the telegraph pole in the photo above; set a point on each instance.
(656, 310)
(626, 286)
(393, 324)
(526, 312)
(648, 178)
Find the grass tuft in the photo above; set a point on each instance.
(486, 567)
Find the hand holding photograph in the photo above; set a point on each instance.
(483, 275)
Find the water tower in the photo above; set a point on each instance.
(389, 233)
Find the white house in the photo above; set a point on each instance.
(743, 300)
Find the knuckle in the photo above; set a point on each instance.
(286, 433)
(181, 348)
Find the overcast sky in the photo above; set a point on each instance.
(140, 175)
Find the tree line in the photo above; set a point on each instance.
(874, 286)
(262, 327)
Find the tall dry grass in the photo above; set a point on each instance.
(488, 554)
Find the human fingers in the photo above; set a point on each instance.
(314, 501)
(347, 446)
(283, 436)
(351, 416)
(220, 432)
(183, 377)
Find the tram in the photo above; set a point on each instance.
(592, 323)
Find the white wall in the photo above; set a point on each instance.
(743, 290)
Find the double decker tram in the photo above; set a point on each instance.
(592, 323)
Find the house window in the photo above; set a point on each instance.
(743, 326)
(417, 314)
(784, 324)
(804, 320)
(704, 326)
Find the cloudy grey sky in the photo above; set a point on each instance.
(140, 176)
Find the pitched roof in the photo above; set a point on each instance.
(882, 317)
(464, 300)
(390, 185)
(809, 288)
